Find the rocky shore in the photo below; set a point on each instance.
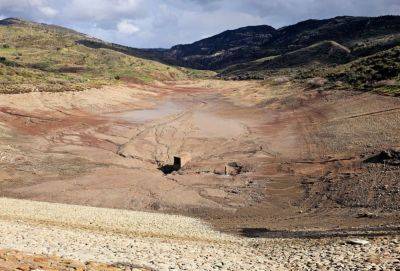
(123, 239)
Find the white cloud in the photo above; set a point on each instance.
(48, 11)
(30, 9)
(102, 11)
(163, 23)
(127, 27)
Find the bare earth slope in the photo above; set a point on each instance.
(106, 148)
(298, 171)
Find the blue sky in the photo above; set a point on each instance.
(163, 23)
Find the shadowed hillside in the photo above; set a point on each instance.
(322, 53)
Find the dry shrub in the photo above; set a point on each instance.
(316, 82)
(386, 83)
(281, 80)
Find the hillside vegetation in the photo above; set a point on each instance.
(322, 53)
(361, 35)
(38, 57)
(379, 72)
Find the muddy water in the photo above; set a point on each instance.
(163, 110)
(210, 125)
(206, 122)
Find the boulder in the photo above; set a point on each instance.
(233, 169)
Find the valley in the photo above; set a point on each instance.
(110, 151)
(281, 153)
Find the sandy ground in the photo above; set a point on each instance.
(104, 148)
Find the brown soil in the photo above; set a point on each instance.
(300, 155)
(11, 260)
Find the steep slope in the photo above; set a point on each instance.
(39, 57)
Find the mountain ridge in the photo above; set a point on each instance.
(250, 43)
(306, 49)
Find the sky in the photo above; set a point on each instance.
(163, 23)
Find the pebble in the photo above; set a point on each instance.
(210, 251)
(357, 242)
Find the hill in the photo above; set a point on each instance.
(312, 48)
(228, 48)
(361, 35)
(322, 53)
(380, 71)
(40, 57)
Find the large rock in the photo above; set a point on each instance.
(233, 169)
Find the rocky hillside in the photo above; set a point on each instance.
(39, 57)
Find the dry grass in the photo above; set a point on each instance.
(36, 57)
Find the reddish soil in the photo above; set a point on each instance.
(11, 260)
(300, 165)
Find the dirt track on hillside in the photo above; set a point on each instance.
(105, 149)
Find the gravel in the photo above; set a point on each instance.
(167, 242)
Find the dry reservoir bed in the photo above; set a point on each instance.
(254, 157)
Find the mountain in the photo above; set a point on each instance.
(40, 57)
(256, 42)
(325, 52)
(52, 58)
(228, 48)
(354, 52)
(321, 44)
(345, 30)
